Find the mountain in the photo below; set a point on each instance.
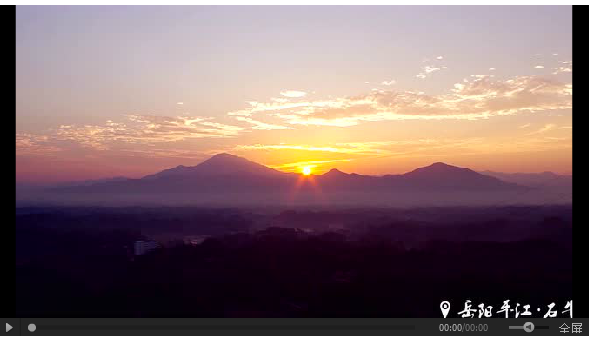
(437, 176)
(225, 172)
(441, 175)
(220, 164)
(335, 173)
(227, 179)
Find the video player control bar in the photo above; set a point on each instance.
(289, 326)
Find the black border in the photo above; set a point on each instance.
(8, 75)
(580, 114)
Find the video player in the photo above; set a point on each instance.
(297, 170)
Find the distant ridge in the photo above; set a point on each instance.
(224, 173)
(545, 179)
(227, 180)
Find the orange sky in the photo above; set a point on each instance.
(122, 102)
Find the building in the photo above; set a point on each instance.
(143, 247)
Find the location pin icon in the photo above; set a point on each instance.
(445, 306)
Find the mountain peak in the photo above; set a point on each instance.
(437, 168)
(440, 165)
(220, 164)
(443, 175)
(228, 164)
(224, 156)
(334, 172)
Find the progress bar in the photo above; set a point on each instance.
(287, 326)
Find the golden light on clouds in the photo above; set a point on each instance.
(286, 97)
(369, 147)
(479, 97)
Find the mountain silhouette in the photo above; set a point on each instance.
(335, 174)
(442, 175)
(220, 164)
(229, 179)
(226, 172)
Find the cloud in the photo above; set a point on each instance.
(539, 67)
(545, 129)
(372, 148)
(145, 130)
(427, 70)
(279, 99)
(525, 126)
(342, 150)
(31, 144)
(439, 57)
(492, 69)
(563, 69)
(180, 103)
(293, 93)
(388, 83)
(477, 98)
(260, 125)
(412, 148)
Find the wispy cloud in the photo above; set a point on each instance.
(371, 148)
(480, 97)
(135, 130)
(388, 83)
(427, 70)
(260, 125)
(434, 66)
(539, 67)
(417, 148)
(544, 129)
(342, 150)
(525, 126)
(293, 93)
(31, 144)
(566, 68)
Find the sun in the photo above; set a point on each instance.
(306, 170)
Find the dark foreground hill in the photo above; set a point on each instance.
(351, 263)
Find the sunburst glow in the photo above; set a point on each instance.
(306, 170)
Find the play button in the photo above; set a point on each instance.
(529, 327)
(8, 327)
